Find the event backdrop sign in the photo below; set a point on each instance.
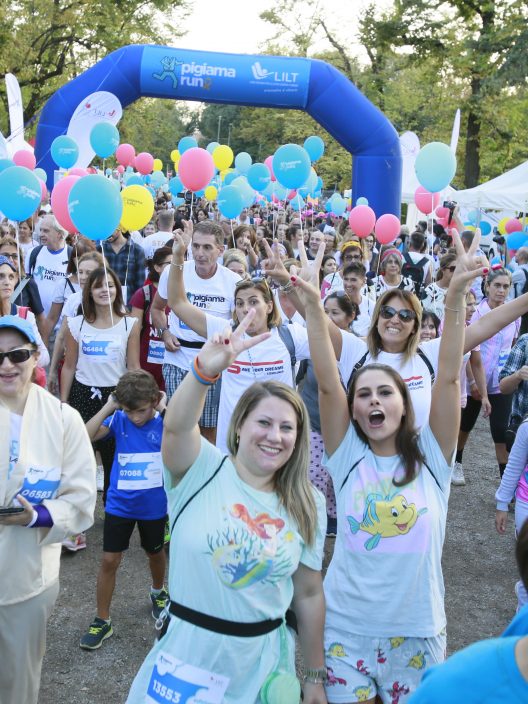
(96, 107)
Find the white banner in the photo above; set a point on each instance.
(4, 151)
(455, 132)
(410, 146)
(16, 114)
(97, 107)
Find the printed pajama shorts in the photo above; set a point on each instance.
(319, 477)
(174, 376)
(359, 667)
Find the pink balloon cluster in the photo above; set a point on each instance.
(59, 200)
(426, 201)
(144, 163)
(125, 154)
(362, 220)
(513, 225)
(196, 168)
(23, 157)
(387, 228)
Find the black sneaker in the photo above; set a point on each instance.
(99, 631)
(158, 602)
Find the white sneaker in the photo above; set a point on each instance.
(99, 477)
(74, 542)
(458, 478)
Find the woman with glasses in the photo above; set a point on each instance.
(29, 295)
(47, 475)
(390, 273)
(435, 292)
(271, 360)
(385, 620)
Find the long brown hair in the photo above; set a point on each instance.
(291, 481)
(374, 341)
(274, 316)
(97, 278)
(407, 437)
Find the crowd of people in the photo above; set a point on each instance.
(283, 381)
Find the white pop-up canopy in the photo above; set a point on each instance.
(509, 191)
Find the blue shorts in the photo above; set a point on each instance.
(359, 667)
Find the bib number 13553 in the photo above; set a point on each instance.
(175, 682)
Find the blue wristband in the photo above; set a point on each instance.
(199, 378)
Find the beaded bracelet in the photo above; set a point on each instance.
(199, 376)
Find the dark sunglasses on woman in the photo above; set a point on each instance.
(405, 314)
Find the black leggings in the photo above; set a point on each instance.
(499, 417)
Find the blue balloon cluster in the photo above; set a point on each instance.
(291, 165)
(104, 139)
(20, 192)
(230, 201)
(186, 143)
(95, 207)
(314, 145)
(435, 166)
(258, 177)
(64, 151)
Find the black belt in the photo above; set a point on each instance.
(220, 625)
(190, 343)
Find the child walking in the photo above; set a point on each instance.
(135, 495)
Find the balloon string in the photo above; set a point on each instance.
(300, 213)
(18, 248)
(108, 288)
(232, 234)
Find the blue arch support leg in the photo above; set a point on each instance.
(257, 80)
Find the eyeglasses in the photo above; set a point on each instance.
(449, 268)
(405, 314)
(16, 356)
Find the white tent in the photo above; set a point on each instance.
(508, 191)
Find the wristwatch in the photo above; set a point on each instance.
(160, 331)
(316, 676)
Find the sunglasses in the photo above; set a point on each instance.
(16, 356)
(450, 268)
(405, 314)
(254, 280)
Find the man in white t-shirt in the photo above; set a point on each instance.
(49, 264)
(209, 286)
(417, 254)
(162, 237)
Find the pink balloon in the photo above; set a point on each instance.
(443, 222)
(513, 225)
(59, 202)
(23, 157)
(91, 170)
(43, 190)
(125, 154)
(362, 220)
(426, 201)
(196, 168)
(144, 163)
(121, 169)
(269, 164)
(77, 171)
(387, 228)
(442, 212)
(291, 195)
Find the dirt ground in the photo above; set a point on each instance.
(479, 573)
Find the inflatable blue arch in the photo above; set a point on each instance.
(258, 80)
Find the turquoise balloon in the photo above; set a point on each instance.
(243, 162)
(157, 178)
(362, 201)
(291, 165)
(6, 164)
(230, 177)
(20, 193)
(64, 151)
(485, 228)
(435, 166)
(41, 174)
(186, 143)
(104, 139)
(339, 205)
(314, 145)
(258, 177)
(212, 146)
(95, 207)
(297, 204)
(516, 240)
(280, 191)
(175, 186)
(178, 201)
(230, 202)
(133, 180)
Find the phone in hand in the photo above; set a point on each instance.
(11, 510)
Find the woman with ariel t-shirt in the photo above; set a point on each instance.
(384, 589)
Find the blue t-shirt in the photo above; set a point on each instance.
(136, 480)
(519, 624)
(484, 673)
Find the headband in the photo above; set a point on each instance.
(392, 252)
(348, 244)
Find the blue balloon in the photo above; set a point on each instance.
(472, 216)
(212, 146)
(435, 166)
(6, 164)
(362, 201)
(41, 174)
(186, 143)
(108, 172)
(133, 180)
(95, 207)
(147, 178)
(20, 193)
(514, 241)
(177, 201)
(175, 185)
(339, 205)
(104, 139)
(200, 193)
(297, 204)
(64, 151)
(258, 177)
(291, 165)
(129, 169)
(280, 191)
(243, 162)
(328, 206)
(157, 178)
(485, 228)
(314, 145)
(230, 177)
(230, 202)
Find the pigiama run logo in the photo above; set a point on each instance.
(193, 75)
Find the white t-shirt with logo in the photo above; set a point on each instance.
(361, 324)
(102, 356)
(49, 268)
(414, 371)
(71, 305)
(215, 296)
(269, 360)
(153, 242)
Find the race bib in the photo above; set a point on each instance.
(40, 483)
(101, 351)
(139, 471)
(173, 681)
(156, 352)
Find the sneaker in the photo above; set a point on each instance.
(99, 631)
(158, 602)
(331, 527)
(74, 542)
(99, 477)
(458, 478)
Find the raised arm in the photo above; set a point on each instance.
(445, 402)
(176, 296)
(181, 435)
(494, 321)
(333, 405)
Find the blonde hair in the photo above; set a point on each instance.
(234, 255)
(374, 341)
(291, 481)
(274, 316)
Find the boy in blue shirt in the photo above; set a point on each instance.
(135, 494)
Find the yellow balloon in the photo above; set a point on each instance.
(502, 225)
(176, 164)
(470, 227)
(224, 173)
(211, 192)
(158, 165)
(223, 157)
(175, 155)
(138, 207)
